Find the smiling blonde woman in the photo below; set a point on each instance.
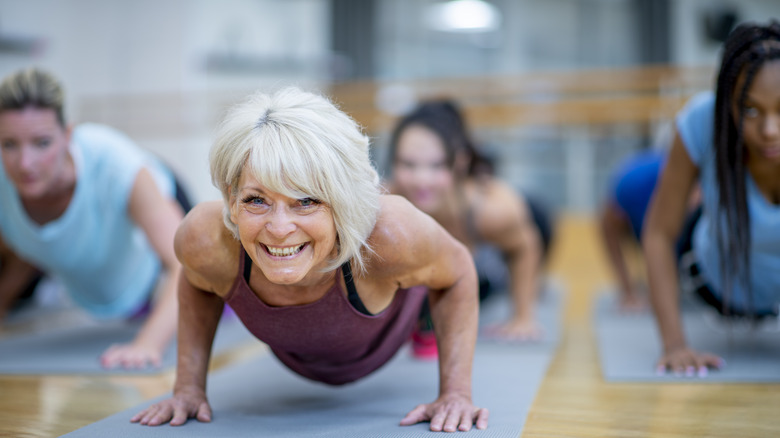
(316, 262)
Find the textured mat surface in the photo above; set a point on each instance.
(76, 350)
(629, 345)
(262, 398)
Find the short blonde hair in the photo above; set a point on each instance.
(32, 88)
(300, 145)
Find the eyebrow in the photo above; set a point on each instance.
(251, 187)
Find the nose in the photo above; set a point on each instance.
(280, 222)
(422, 176)
(27, 158)
(770, 127)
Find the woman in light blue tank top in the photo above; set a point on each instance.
(89, 208)
(730, 143)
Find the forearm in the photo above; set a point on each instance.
(522, 252)
(662, 276)
(455, 314)
(611, 237)
(160, 326)
(199, 314)
(524, 270)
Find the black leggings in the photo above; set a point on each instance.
(544, 220)
(692, 270)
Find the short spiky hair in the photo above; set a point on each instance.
(32, 88)
(300, 145)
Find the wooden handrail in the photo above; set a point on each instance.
(553, 98)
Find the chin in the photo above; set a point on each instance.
(29, 191)
(284, 278)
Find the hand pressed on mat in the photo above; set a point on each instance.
(131, 356)
(449, 413)
(688, 362)
(189, 403)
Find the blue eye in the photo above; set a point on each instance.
(42, 142)
(253, 200)
(308, 202)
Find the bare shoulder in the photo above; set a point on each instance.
(205, 247)
(499, 207)
(400, 230)
(411, 248)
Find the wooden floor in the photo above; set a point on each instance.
(573, 401)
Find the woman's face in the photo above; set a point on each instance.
(286, 238)
(420, 169)
(761, 122)
(34, 150)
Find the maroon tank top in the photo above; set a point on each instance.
(327, 340)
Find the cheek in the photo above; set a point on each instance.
(8, 159)
(750, 133)
(326, 235)
(403, 176)
(443, 179)
(51, 159)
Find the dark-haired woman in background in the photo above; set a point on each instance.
(730, 142)
(437, 167)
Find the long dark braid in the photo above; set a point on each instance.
(746, 49)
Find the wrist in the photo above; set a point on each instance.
(149, 343)
(188, 389)
(674, 346)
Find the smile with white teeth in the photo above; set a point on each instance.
(284, 252)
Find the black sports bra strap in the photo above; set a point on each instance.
(352, 294)
(247, 266)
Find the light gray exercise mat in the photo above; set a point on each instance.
(629, 345)
(498, 307)
(76, 350)
(261, 398)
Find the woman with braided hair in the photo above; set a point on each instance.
(730, 142)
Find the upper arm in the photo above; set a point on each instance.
(155, 214)
(415, 250)
(505, 221)
(670, 200)
(206, 249)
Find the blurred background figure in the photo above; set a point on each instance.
(88, 207)
(622, 218)
(439, 169)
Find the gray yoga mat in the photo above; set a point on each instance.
(629, 345)
(498, 308)
(75, 350)
(262, 398)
